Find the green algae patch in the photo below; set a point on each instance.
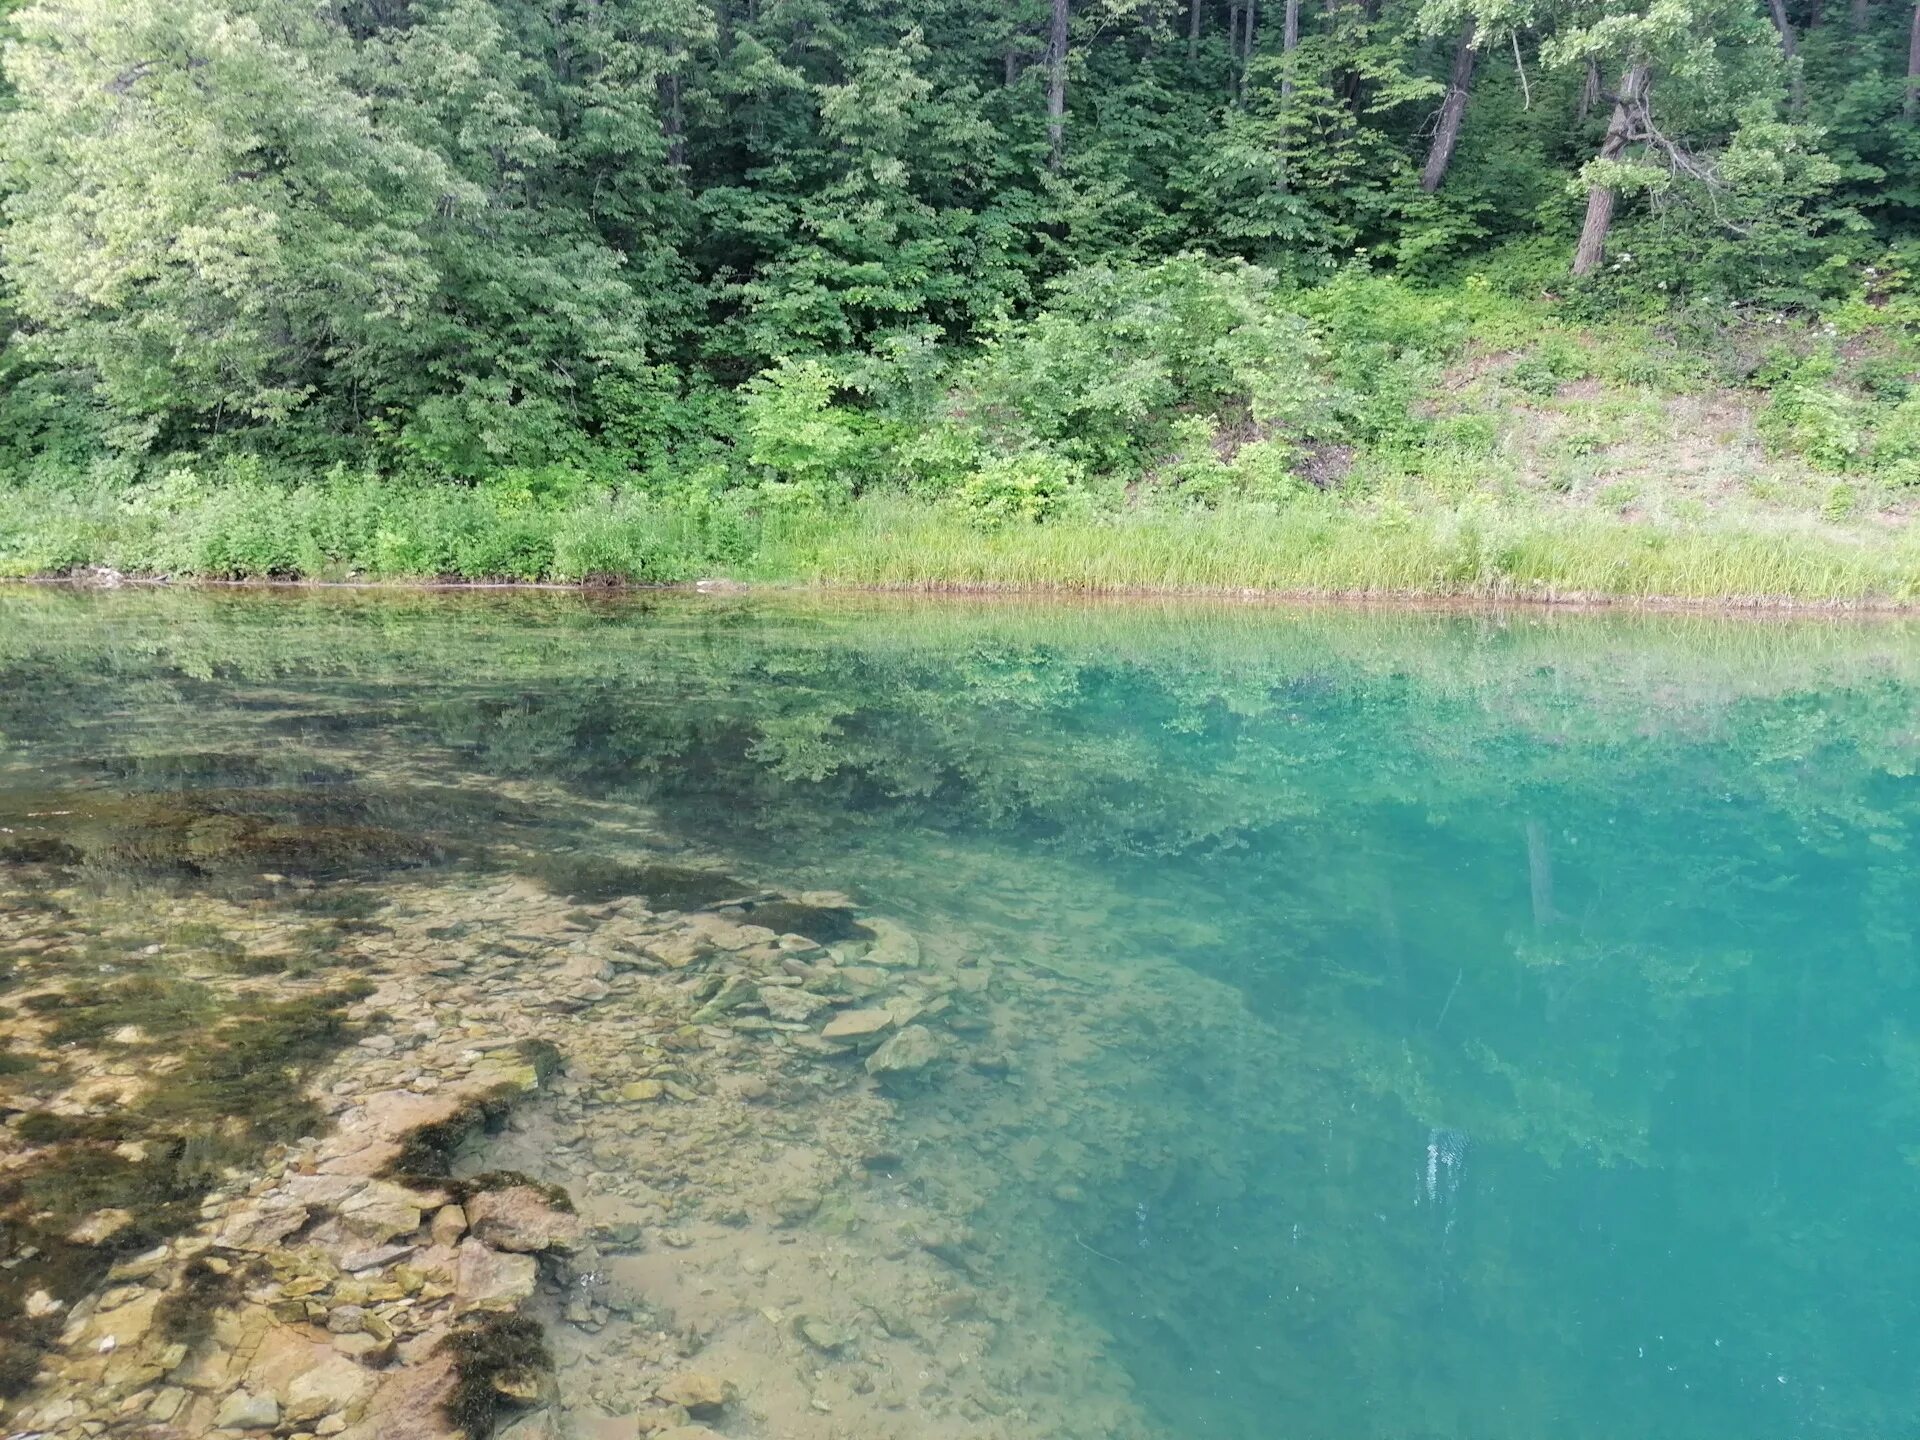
(88, 1189)
(465, 1188)
(186, 1312)
(501, 1363)
(826, 924)
(428, 1153)
(595, 879)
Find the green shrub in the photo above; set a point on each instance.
(1023, 489)
(809, 450)
(1814, 420)
(1101, 375)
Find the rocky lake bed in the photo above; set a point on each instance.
(539, 1154)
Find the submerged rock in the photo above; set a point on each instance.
(334, 1384)
(521, 1219)
(243, 1411)
(907, 1053)
(894, 946)
(821, 1333)
(697, 1393)
(856, 1024)
(486, 1279)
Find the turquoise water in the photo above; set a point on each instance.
(1411, 1026)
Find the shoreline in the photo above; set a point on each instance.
(1441, 601)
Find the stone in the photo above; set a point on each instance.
(687, 1432)
(373, 1257)
(541, 1425)
(100, 1227)
(820, 1332)
(640, 1090)
(411, 1402)
(142, 1266)
(333, 1384)
(856, 1024)
(347, 1319)
(381, 1211)
(487, 1279)
(364, 1346)
(906, 1053)
(676, 952)
(696, 1392)
(734, 991)
(448, 1225)
(166, 1403)
(244, 1411)
(894, 946)
(40, 1305)
(790, 1002)
(262, 1227)
(127, 1324)
(521, 1219)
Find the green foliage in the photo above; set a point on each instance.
(1101, 374)
(494, 289)
(1809, 415)
(1025, 488)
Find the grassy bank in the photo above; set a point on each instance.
(1444, 443)
(1381, 544)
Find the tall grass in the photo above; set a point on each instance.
(360, 529)
(1325, 546)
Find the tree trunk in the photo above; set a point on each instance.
(1592, 248)
(1246, 44)
(1789, 50)
(1453, 110)
(1913, 63)
(1193, 31)
(1057, 87)
(672, 122)
(1589, 92)
(1290, 42)
(1857, 16)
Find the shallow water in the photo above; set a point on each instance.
(1400, 1025)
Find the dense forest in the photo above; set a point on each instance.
(1007, 254)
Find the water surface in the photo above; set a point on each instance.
(1408, 1025)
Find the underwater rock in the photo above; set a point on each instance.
(521, 1219)
(448, 1225)
(262, 1227)
(734, 991)
(381, 1211)
(894, 946)
(856, 1024)
(243, 1411)
(791, 1003)
(41, 1305)
(697, 1393)
(676, 952)
(486, 1279)
(333, 1384)
(100, 1227)
(412, 1403)
(819, 1332)
(907, 1053)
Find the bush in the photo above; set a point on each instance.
(1023, 489)
(810, 451)
(1102, 374)
(1815, 420)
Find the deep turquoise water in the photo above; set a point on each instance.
(1420, 1026)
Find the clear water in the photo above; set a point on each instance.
(1419, 1026)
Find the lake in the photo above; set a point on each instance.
(1330, 1024)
